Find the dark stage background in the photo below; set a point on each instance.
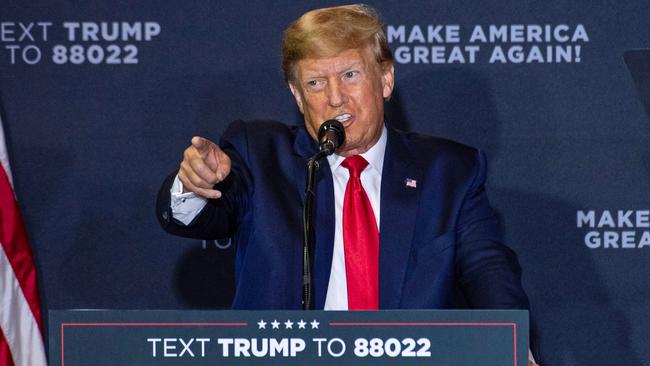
(94, 123)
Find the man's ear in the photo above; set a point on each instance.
(297, 95)
(387, 79)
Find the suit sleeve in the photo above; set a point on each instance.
(488, 271)
(220, 218)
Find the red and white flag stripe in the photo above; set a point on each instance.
(21, 339)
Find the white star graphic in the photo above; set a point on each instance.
(314, 324)
(301, 324)
(262, 324)
(275, 324)
(288, 324)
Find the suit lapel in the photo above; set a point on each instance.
(324, 220)
(324, 224)
(399, 204)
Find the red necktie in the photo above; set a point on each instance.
(360, 241)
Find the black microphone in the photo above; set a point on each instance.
(331, 135)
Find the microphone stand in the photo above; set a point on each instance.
(308, 228)
(331, 135)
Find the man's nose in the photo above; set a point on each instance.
(336, 94)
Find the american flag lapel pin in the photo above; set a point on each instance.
(411, 183)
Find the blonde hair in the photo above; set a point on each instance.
(327, 32)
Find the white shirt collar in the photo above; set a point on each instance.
(374, 156)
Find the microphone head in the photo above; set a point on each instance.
(331, 135)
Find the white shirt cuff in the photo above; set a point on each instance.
(185, 206)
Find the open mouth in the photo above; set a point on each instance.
(343, 118)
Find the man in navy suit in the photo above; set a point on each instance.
(436, 230)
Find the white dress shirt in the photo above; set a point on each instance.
(185, 206)
(337, 290)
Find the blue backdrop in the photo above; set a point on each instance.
(99, 99)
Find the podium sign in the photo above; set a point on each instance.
(394, 337)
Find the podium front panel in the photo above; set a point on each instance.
(413, 337)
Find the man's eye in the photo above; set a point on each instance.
(350, 74)
(314, 84)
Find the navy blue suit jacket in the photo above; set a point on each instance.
(435, 237)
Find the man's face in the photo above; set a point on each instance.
(349, 87)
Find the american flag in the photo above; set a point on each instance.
(21, 340)
(411, 183)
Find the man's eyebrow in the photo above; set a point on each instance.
(307, 74)
(310, 74)
(353, 65)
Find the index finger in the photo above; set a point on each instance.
(202, 145)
